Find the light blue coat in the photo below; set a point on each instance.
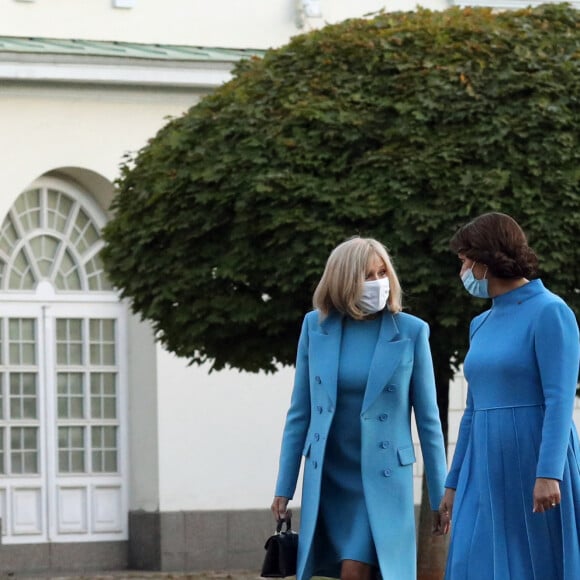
(400, 379)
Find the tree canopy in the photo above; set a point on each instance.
(401, 127)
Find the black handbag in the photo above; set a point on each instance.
(281, 552)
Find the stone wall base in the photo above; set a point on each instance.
(167, 542)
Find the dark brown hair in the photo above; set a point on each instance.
(496, 240)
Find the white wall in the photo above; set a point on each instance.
(215, 23)
(48, 128)
(219, 435)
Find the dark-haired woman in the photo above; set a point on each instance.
(513, 491)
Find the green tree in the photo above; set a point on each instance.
(401, 127)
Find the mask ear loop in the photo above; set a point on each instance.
(484, 274)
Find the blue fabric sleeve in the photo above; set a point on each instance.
(557, 351)
(424, 400)
(465, 426)
(297, 422)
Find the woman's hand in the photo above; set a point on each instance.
(278, 508)
(546, 494)
(446, 510)
(440, 526)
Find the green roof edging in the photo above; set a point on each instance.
(55, 46)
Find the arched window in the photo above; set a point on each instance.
(49, 235)
(62, 386)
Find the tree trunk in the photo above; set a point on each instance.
(432, 550)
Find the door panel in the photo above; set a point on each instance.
(61, 436)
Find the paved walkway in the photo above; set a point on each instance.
(141, 575)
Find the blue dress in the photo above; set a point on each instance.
(522, 369)
(343, 529)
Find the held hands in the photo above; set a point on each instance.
(279, 510)
(439, 527)
(444, 514)
(546, 494)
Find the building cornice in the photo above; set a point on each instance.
(111, 63)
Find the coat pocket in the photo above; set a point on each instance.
(406, 455)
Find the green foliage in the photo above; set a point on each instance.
(400, 127)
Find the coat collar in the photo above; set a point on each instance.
(385, 360)
(332, 324)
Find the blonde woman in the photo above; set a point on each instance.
(362, 366)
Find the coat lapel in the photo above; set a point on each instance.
(326, 345)
(386, 359)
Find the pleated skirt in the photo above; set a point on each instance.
(495, 534)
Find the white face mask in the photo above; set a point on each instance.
(374, 296)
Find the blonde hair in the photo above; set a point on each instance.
(342, 281)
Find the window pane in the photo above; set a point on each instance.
(63, 462)
(16, 463)
(27, 207)
(27, 329)
(77, 461)
(68, 276)
(28, 354)
(2, 453)
(21, 277)
(59, 206)
(75, 354)
(29, 438)
(110, 461)
(103, 396)
(69, 337)
(70, 395)
(8, 236)
(30, 463)
(102, 336)
(24, 450)
(76, 408)
(29, 408)
(110, 436)
(44, 249)
(28, 383)
(76, 436)
(23, 404)
(71, 457)
(22, 340)
(104, 456)
(109, 409)
(98, 280)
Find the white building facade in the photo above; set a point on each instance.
(113, 452)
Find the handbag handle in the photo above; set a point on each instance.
(281, 521)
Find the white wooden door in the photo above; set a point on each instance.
(63, 465)
(62, 436)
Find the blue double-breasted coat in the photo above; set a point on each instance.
(400, 380)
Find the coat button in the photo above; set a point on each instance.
(383, 417)
(315, 464)
(317, 379)
(319, 408)
(389, 389)
(387, 473)
(317, 436)
(385, 444)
